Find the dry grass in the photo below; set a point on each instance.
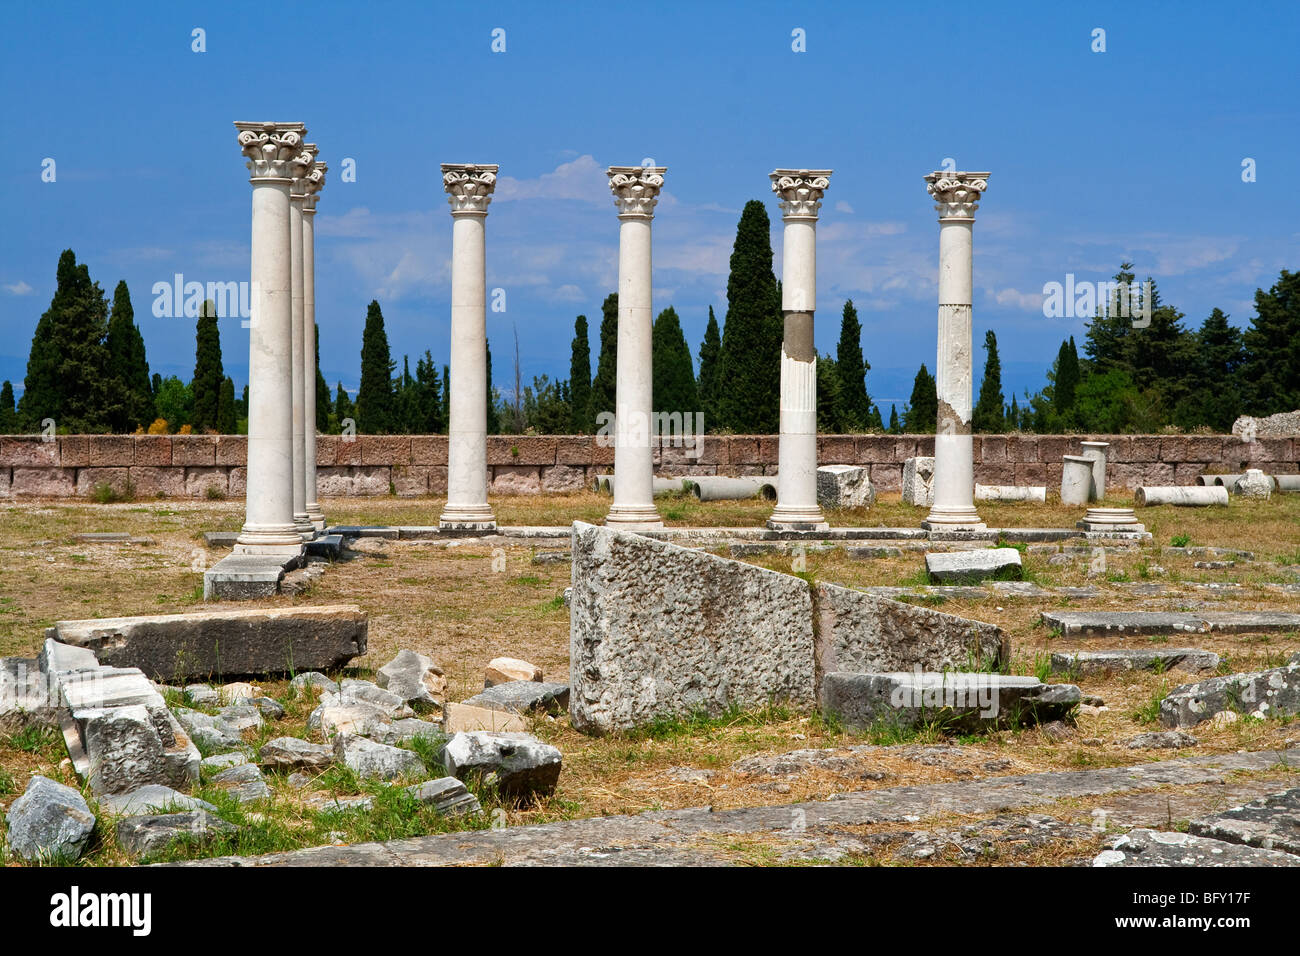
(456, 605)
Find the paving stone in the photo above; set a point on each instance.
(960, 567)
(865, 552)
(372, 761)
(245, 577)
(1266, 694)
(1143, 847)
(518, 764)
(1271, 823)
(1124, 659)
(146, 835)
(1094, 623)
(326, 546)
(524, 697)
(50, 822)
(291, 753)
(960, 700)
(263, 641)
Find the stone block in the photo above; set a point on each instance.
(1143, 448)
(1123, 659)
(326, 449)
(837, 449)
(1022, 448)
(108, 451)
(918, 482)
(26, 450)
(89, 478)
(74, 451)
(743, 450)
(153, 451)
(347, 451)
(844, 486)
(234, 643)
(461, 718)
(1271, 823)
(873, 450)
(996, 473)
(333, 482)
(967, 567)
(524, 697)
(6, 482)
(154, 482)
(505, 670)
(437, 479)
(385, 449)
(1034, 473)
(521, 450)
(517, 764)
(410, 481)
(27, 697)
(202, 482)
(887, 477)
(413, 678)
(146, 835)
(43, 482)
(197, 450)
(237, 481)
(516, 480)
(575, 450)
(1266, 694)
(49, 823)
(428, 449)
(372, 761)
(564, 478)
(993, 449)
(370, 481)
(231, 450)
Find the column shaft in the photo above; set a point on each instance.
(310, 424)
(300, 518)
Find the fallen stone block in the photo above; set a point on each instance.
(413, 678)
(220, 539)
(219, 762)
(245, 577)
(844, 486)
(918, 481)
(364, 691)
(202, 695)
(503, 670)
(1254, 484)
(1144, 847)
(339, 715)
(403, 731)
(866, 551)
(1271, 823)
(27, 696)
(153, 798)
(49, 823)
(212, 643)
(955, 700)
(1162, 659)
(524, 697)
(304, 683)
(517, 764)
(1183, 496)
(291, 753)
(458, 718)
(1267, 694)
(962, 567)
(1101, 623)
(241, 717)
(243, 782)
(1162, 740)
(147, 835)
(326, 546)
(446, 795)
(372, 761)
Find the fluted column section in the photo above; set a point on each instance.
(636, 192)
(469, 188)
(314, 181)
(301, 167)
(801, 191)
(268, 523)
(956, 198)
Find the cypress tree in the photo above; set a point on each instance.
(493, 403)
(322, 394)
(603, 385)
(208, 373)
(1013, 415)
(128, 365)
(1109, 331)
(895, 427)
(876, 423)
(374, 404)
(446, 396)
(673, 385)
(343, 407)
(855, 405)
(1272, 342)
(67, 367)
(405, 399)
(749, 380)
(988, 416)
(226, 407)
(828, 396)
(1067, 380)
(580, 378)
(707, 388)
(922, 413)
(8, 413)
(428, 409)
(1216, 394)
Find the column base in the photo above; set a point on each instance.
(316, 516)
(278, 541)
(634, 518)
(797, 519)
(467, 518)
(953, 519)
(302, 524)
(1111, 519)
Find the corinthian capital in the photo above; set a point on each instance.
(636, 189)
(956, 195)
(801, 191)
(301, 166)
(469, 187)
(314, 182)
(271, 148)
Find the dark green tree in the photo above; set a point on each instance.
(1215, 395)
(322, 394)
(1272, 343)
(67, 368)
(988, 415)
(8, 412)
(1013, 415)
(175, 403)
(208, 373)
(580, 378)
(828, 396)
(854, 413)
(707, 385)
(921, 414)
(876, 423)
(226, 407)
(749, 375)
(374, 403)
(673, 385)
(426, 410)
(603, 385)
(1104, 344)
(343, 407)
(895, 426)
(446, 396)
(1067, 381)
(546, 405)
(128, 367)
(493, 400)
(405, 399)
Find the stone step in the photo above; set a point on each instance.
(1105, 623)
(1167, 658)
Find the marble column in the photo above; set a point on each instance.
(469, 187)
(956, 198)
(301, 168)
(315, 180)
(801, 191)
(636, 192)
(269, 527)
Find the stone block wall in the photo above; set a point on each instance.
(181, 466)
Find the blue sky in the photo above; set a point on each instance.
(1095, 157)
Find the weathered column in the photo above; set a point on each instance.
(636, 192)
(301, 168)
(315, 180)
(268, 522)
(801, 191)
(956, 197)
(469, 187)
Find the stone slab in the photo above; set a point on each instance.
(245, 577)
(363, 531)
(27, 696)
(1136, 659)
(1270, 823)
(225, 643)
(962, 567)
(220, 539)
(463, 718)
(1105, 623)
(1266, 694)
(524, 697)
(1159, 848)
(326, 546)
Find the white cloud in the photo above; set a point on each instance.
(844, 207)
(18, 288)
(1029, 301)
(582, 179)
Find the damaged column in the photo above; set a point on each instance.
(801, 191)
(636, 192)
(469, 187)
(956, 196)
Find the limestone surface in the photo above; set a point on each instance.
(49, 822)
(918, 481)
(414, 678)
(143, 835)
(1271, 693)
(844, 486)
(371, 761)
(517, 764)
(1142, 847)
(1271, 823)
(962, 567)
(959, 700)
